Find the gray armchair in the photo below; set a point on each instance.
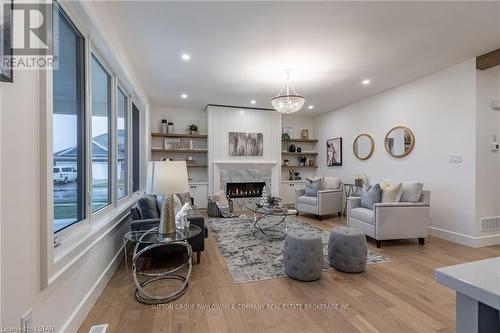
(392, 220)
(327, 202)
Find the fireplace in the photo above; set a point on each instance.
(244, 189)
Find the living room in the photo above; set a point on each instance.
(251, 166)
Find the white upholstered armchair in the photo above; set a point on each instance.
(391, 220)
(327, 202)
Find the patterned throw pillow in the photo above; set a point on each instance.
(370, 196)
(312, 187)
(184, 197)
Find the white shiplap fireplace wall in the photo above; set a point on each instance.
(221, 121)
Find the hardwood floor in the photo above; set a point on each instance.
(399, 296)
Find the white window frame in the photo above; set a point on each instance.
(79, 237)
(93, 51)
(127, 140)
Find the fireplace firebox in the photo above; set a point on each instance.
(244, 189)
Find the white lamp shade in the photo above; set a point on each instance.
(167, 177)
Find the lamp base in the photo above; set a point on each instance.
(167, 218)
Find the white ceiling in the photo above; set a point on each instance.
(240, 49)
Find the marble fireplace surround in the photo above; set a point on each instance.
(241, 171)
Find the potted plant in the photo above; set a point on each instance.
(192, 129)
(302, 160)
(286, 162)
(285, 138)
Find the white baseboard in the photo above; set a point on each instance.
(83, 309)
(465, 239)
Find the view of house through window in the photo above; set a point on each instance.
(101, 136)
(121, 125)
(68, 123)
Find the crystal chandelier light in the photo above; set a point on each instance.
(287, 101)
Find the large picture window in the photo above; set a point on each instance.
(122, 144)
(68, 123)
(101, 135)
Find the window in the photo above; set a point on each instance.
(101, 135)
(122, 144)
(135, 148)
(68, 123)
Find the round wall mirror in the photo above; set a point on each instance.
(399, 141)
(363, 146)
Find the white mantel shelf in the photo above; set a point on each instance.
(477, 285)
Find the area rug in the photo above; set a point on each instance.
(255, 258)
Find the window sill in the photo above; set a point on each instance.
(78, 244)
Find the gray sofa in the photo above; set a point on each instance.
(392, 220)
(146, 215)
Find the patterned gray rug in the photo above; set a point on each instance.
(255, 258)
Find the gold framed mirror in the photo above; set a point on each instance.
(363, 146)
(399, 141)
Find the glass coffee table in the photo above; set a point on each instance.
(264, 224)
(147, 240)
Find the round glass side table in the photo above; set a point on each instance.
(147, 240)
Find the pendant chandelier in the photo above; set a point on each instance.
(287, 101)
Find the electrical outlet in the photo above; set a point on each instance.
(455, 158)
(27, 321)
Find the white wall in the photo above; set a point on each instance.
(299, 123)
(180, 117)
(440, 109)
(487, 162)
(67, 300)
(222, 120)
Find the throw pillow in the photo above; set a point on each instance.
(331, 183)
(412, 192)
(370, 196)
(185, 197)
(149, 209)
(177, 205)
(312, 187)
(221, 197)
(391, 191)
(321, 181)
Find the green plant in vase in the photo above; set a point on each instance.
(285, 138)
(192, 129)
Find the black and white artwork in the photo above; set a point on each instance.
(334, 152)
(6, 41)
(246, 144)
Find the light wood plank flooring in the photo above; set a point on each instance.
(399, 296)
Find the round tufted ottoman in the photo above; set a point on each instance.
(347, 250)
(303, 255)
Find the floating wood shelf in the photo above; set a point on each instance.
(303, 140)
(313, 153)
(299, 166)
(173, 135)
(196, 165)
(178, 151)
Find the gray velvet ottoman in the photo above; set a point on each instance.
(347, 250)
(303, 255)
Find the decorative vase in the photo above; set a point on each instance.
(299, 149)
(292, 148)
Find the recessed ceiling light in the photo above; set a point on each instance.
(366, 82)
(310, 107)
(253, 101)
(186, 57)
(184, 96)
